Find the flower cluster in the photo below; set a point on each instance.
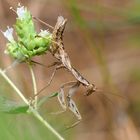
(29, 43)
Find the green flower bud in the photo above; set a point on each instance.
(14, 51)
(28, 43)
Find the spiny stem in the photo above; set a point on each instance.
(34, 85)
(35, 113)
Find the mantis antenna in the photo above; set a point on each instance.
(37, 19)
(41, 21)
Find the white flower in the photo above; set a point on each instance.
(44, 33)
(9, 34)
(21, 12)
(6, 52)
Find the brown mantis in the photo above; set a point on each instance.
(58, 51)
(63, 61)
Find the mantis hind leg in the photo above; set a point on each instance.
(58, 66)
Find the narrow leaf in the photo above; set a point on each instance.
(12, 107)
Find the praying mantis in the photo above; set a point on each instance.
(63, 61)
(57, 49)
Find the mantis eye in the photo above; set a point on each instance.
(90, 89)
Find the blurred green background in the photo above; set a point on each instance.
(102, 38)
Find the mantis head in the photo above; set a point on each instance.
(90, 89)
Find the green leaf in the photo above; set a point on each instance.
(12, 107)
(44, 99)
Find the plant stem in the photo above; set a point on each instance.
(35, 113)
(34, 86)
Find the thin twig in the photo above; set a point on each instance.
(35, 113)
(34, 86)
(16, 62)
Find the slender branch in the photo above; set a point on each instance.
(16, 62)
(35, 113)
(34, 86)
